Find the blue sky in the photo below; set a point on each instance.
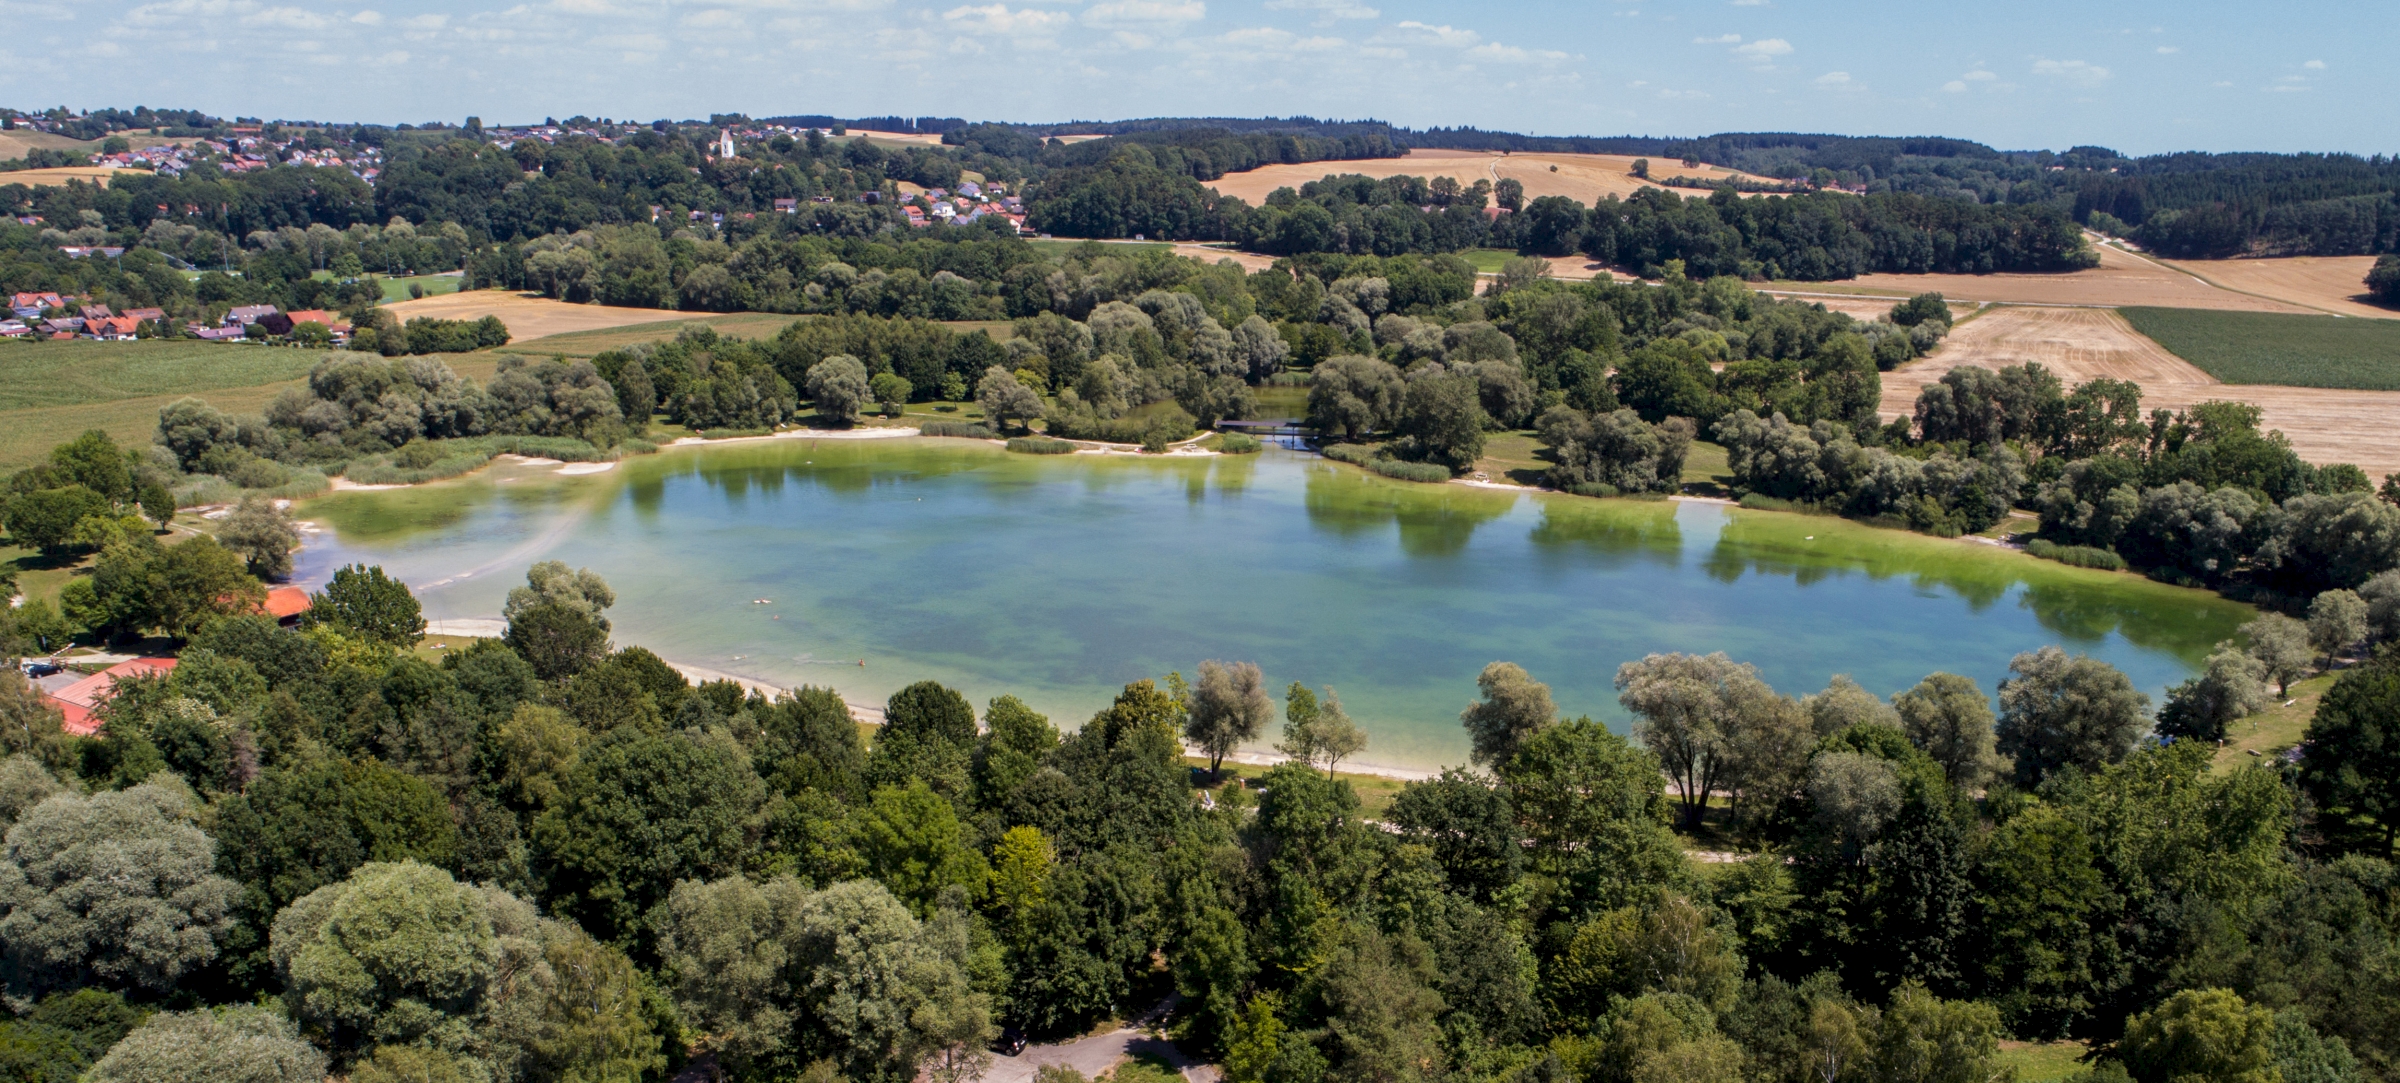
(2140, 77)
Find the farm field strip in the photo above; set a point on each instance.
(1581, 177)
(2324, 425)
(2270, 348)
(2334, 284)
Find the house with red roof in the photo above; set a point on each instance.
(285, 604)
(80, 701)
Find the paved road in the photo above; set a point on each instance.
(1095, 1055)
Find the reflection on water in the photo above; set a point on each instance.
(1059, 578)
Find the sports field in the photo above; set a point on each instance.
(2266, 348)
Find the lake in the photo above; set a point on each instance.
(1060, 578)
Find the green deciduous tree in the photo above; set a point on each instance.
(838, 385)
(362, 601)
(1229, 707)
(2232, 687)
(1951, 720)
(117, 889)
(1514, 707)
(638, 813)
(2060, 711)
(262, 535)
(2352, 762)
(2201, 1034)
(2282, 646)
(241, 1044)
(914, 845)
(2337, 621)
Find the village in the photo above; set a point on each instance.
(54, 317)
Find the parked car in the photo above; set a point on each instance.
(1011, 1043)
(36, 668)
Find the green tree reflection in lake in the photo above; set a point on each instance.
(1059, 578)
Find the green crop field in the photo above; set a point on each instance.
(2270, 348)
(75, 373)
(1487, 260)
(396, 289)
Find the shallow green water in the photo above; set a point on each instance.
(1060, 578)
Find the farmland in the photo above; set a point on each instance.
(1584, 178)
(2334, 284)
(2079, 344)
(527, 317)
(2264, 348)
(53, 390)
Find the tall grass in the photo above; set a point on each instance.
(961, 429)
(1040, 445)
(2081, 556)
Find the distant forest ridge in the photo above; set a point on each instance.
(2184, 204)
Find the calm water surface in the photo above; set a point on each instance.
(1061, 578)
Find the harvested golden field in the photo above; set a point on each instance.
(2335, 284)
(527, 316)
(2121, 279)
(2079, 344)
(1581, 177)
(52, 178)
(14, 144)
(591, 343)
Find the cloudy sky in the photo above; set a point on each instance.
(2140, 77)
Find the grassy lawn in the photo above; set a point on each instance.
(1375, 792)
(396, 289)
(2274, 729)
(1060, 248)
(75, 373)
(2042, 1062)
(1706, 470)
(2271, 348)
(1513, 456)
(1487, 260)
(1280, 401)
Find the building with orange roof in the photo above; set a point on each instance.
(285, 604)
(80, 701)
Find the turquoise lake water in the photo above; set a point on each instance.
(1061, 578)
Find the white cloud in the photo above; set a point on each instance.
(1834, 78)
(2314, 65)
(1442, 35)
(1144, 12)
(1327, 10)
(2077, 72)
(998, 19)
(2168, 50)
(1764, 48)
(289, 18)
(1496, 51)
(1980, 76)
(368, 18)
(1721, 39)
(1954, 86)
(425, 22)
(1684, 95)
(1749, 3)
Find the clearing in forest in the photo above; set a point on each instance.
(2080, 344)
(2270, 348)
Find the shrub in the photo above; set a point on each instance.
(1763, 502)
(1040, 445)
(1235, 443)
(1354, 454)
(966, 430)
(2081, 556)
(1592, 488)
(1408, 471)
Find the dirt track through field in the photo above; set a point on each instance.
(2079, 344)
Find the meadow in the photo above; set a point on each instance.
(2268, 348)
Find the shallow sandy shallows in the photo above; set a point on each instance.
(526, 317)
(2079, 344)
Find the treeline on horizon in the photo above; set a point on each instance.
(1973, 207)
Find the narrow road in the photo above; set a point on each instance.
(1095, 1055)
